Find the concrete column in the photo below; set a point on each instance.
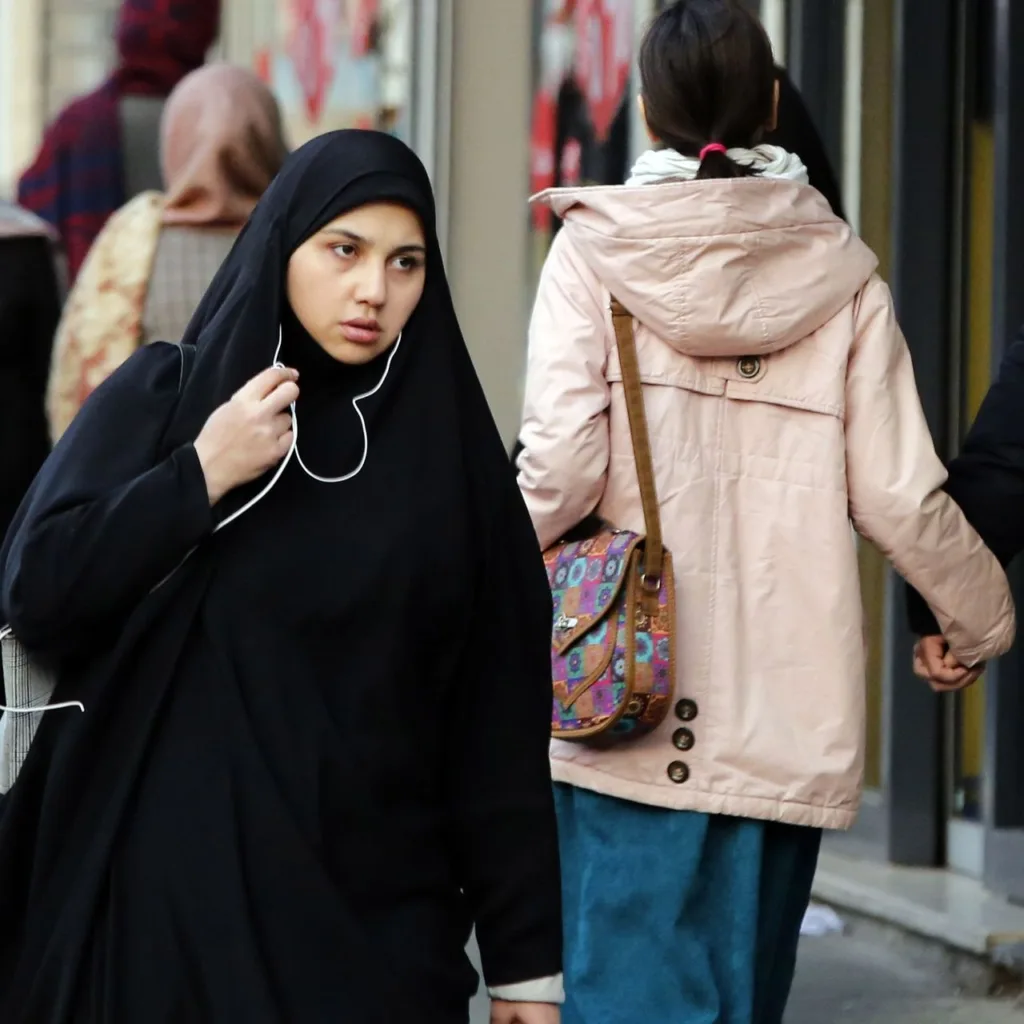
(22, 87)
(488, 185)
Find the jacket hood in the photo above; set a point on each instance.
(734, 267)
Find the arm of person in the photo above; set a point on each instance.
(503, 1012)
(896, 497)
(563, 463)
(501, 806)
(987, 479)
(107, 518)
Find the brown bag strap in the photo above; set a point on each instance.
(625, 339)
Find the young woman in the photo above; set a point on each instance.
(297, 592)
(782, 405)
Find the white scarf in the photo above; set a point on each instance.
(658, 165)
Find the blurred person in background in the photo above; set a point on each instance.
(986, 480)
(30, 300)
(102, 148)
(221, 145)
(795, 132)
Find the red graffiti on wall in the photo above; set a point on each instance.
(312, 50)
(604, 55)
(363, 18)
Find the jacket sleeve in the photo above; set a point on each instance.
(563, 464)
(107, 518)
(896, 497)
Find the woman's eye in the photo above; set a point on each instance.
(345, 250)
(407, 263)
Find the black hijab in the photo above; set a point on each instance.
(235, 328)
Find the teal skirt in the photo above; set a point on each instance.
(673, 917)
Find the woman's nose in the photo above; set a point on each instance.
(372, 286)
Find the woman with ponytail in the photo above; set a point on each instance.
(781, 406)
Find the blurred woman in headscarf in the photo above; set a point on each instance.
(221, 145)
(102, 148)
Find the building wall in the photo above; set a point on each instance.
(22, 89)
(50, 51)
(488, 186)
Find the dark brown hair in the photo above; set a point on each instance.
(707, 74)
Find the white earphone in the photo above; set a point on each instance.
(294, 449)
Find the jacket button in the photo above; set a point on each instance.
(686, 710)
(678, 772)
(683, 739)
(749, 366)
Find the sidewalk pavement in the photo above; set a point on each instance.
(851, 980)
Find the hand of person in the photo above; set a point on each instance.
(934, 662)
(248, 434)
(524, 1013)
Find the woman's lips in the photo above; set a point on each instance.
(361, 332)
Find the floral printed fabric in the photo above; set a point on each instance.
(607, 667)
(102, 322)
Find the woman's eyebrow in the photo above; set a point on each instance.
(342, 233)
(351, 236)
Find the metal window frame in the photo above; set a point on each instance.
(906, 822)
(432, 64)
(923, 289)
(816, 61)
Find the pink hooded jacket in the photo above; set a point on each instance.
(782, 406)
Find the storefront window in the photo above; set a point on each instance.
(337, 63)
(79, 38)
(583, 59)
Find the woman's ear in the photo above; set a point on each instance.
(774, 122)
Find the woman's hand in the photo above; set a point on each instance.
(524, 1013)
(249, 434)
(934, 662)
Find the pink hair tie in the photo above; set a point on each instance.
(711, 147)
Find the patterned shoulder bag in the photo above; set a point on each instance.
(613, 636)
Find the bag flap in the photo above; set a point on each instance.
(585, 577)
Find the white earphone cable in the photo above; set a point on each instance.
(293, 450)
(362, 422)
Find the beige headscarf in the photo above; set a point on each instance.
(221, 145)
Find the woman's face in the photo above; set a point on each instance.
(356, 282)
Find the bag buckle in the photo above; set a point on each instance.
(650, 582)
